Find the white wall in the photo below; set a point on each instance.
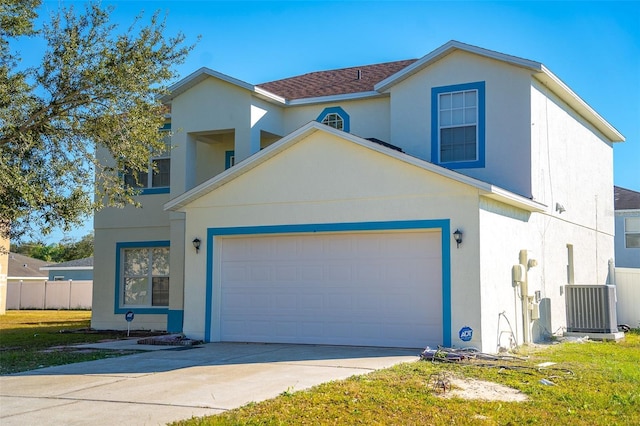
(507, 116)
(572, 163)
(628, 296)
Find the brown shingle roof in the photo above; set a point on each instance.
(334, 82)
(625, 199)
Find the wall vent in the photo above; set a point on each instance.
(591, 308)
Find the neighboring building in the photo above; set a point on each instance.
(78, 270)
(25, 283)
(322, 208)
(627, 211)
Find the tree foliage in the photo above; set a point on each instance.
(63, 251)
(95, 90)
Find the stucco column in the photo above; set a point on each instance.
(175, 315)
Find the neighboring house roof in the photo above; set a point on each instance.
(625, 199)
(78, 264)
(485, 189)
(335, 82)
(21, 266)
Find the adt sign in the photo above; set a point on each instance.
(466, 334)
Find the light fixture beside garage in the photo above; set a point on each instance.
(457, 235)
(196, 243)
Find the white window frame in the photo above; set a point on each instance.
(148, 275)
(462, 116)
(334, 120)
(632, 230)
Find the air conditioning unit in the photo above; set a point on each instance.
(591, 308)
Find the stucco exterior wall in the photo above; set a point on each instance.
(569, 153)
(324, 179)
(105, 275)
(507, 135)
(505, 231)
(368, 118)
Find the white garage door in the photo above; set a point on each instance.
(372, 289)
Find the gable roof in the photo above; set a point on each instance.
(486, 189)
(78, 264)
(376, 79)
(625, 199)
(539, 72)
(335, 82)
(21, 266)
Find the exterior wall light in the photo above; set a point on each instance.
(196, 243)
(457, 235)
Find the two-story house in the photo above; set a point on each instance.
(381, 205)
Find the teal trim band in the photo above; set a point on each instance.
(442, 224)
(346, 120)
(152, 191)
(175, 318)
(435, 126)
(124, 309)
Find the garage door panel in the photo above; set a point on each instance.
(379, 289)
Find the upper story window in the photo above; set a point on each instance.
(632, 232)
(335, 117)
(156, 179)
(458, 125)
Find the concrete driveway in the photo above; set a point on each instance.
(160, 386)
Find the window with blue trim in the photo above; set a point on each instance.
(335, 117)
(143, 275)
(458, 125)
(156, 179)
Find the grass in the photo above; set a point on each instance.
(36, 339)
(596, 383)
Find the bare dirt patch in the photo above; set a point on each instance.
(479, 389)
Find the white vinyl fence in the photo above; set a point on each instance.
(628, 295)
(49, 294)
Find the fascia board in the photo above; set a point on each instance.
(558, 87)
(445, 50)
(40, 278)
(203, 73)
(66, 268)
(508, 197)
(623, 212)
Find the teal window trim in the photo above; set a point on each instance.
(346, 120)
(121, 309)
(442, 224)
(435, 125)
(228, 156)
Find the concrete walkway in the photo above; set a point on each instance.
(173, 383)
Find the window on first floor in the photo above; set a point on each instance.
(458, 125)
(144, 276)
(632, 232)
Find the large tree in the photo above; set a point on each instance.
(95, 89)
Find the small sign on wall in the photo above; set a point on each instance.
(466, 334)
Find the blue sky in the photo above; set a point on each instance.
(594, 47)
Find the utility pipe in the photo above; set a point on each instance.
(524, 297)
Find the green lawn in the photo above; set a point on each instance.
(36, 339)
(594, 384)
